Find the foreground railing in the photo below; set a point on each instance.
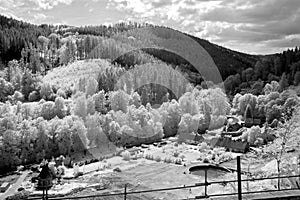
(124, 195)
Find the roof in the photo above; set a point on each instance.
(232, 144)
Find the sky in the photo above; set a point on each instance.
(250, 26)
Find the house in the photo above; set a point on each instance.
(232, 145)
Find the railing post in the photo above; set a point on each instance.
(206, 184)
(239, 178)
(125, 191)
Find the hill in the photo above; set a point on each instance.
(228, 61)
(16, 35)
(21, 34)
(241, 72)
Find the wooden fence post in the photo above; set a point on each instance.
(125, 191)
(239, 178)
(205, 192)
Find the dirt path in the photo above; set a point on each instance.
(12, 190)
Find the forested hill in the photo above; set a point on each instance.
(15, 35)
(241, 72)
(228, 61)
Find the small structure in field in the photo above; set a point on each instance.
(4, 186)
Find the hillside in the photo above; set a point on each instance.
(241, 72)
(21, 34)
(16, 35)
(228, 61)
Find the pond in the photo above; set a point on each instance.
(213, 171)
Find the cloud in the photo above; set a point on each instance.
(50, 4)
(268, 24)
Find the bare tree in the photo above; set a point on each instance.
(285, 137)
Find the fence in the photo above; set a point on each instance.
(205, 184)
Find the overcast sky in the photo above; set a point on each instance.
(252, 26)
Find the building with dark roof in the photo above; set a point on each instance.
(233, 145)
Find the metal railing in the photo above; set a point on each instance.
(205, 184)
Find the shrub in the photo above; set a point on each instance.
(203, 146)
(91, 106)
(91, 87)
(182, 157)
(149, 156)
(176, 154)
(61, 93)
(157, 158)
(48, 110)
(18, 96)
(46, 91)
(125, 155)
(59, 107)
(80, 108)
(168, 160)
(33, 96)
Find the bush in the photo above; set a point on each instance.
(168, 160)
(157, 158)
(61, 93)
(126, 155)
(203, 146)
(18, 96)
(217, 122)
(33, 96)
(48, 110)
(149, 156)
(46, 91)
(176, 154)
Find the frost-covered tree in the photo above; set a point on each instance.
(59, 106)
(79, 136)
(245, 100)
(188, 126)
(46, 91)
(93, 129)
(91, 87)
(48, 110)
(135, 99)
(28, 84)
(188, 104)
(42, 141)
(18, 96)
(80, 108)
(61, 93)
(99, 99)
(6, 89)
(119, 101)
(64, 137)
(172, 114)
(91, 106)
(284, 83)
(286, 136)
(235, 101)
